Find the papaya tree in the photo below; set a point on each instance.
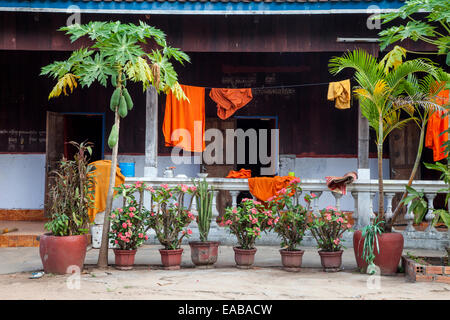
(117, 55)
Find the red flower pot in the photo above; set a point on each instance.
(390, 252)
(331, 261)
(204, 253)
(291, 259)
(171, 259)
(62, 254)
(124, 259)
(244, 258)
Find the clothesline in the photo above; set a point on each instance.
(275, 87)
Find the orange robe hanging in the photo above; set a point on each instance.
(263, 188)
(184, 121)
(436, 125)
(230, 100)
(101, 180)
(241, 174)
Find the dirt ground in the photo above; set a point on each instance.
(146, 282)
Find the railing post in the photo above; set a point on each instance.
(215, 212)
(234, 195)
(389, 197)
(371, 212)
(337, 197)
(430, 215)
(355, 210)
(409, 217)
(316, 203)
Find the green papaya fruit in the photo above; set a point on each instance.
(113, 137)
(127, 99)
(123, 111)
(114, 80)
(115, 99)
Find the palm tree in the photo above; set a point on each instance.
(384, 89)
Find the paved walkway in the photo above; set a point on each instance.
(265, 281)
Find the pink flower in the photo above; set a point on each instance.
(189, 231)
(313, 195)
(349, 225)
(127, 234)
(113, 216)
(282, 191)
(331, 208)
(184, 188)
(116, 242)
(165, 186)
(336, 241)
(132, 209)
(146, 237)
(271, 198)
(253, 210)
(228, 222)
(234, 210)
(328, 217)
(124, 225)
(138, 184)
(141, 235)
(256, 202)
(150, 189)
(193, 188)
(237, 219)
(255, 221)
(337, 213)
(270, 222)
(120, 210)
(127, 240)
(131, 214)
(340, 220)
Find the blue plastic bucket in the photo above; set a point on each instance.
(127, 168)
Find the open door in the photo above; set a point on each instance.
(54, 147)
(220, 170)
(402, 153)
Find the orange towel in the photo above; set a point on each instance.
(241, 174)
(339, 184)
(101, 179)
(189, 117)
(436, 125)
(263, 188)
(341, 93)
(230, 100)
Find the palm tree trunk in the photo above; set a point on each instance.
(380, 216)
(397, 211)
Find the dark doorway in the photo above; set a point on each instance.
(257, 123)
(84, 127)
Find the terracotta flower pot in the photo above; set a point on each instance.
(62, 254)
(204, 253)
(171, 259)
(331, 261)
(244, 258)
(291, 259)
(390, 252)
(124, 259)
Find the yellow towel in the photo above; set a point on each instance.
(101, 178)
(340, 92)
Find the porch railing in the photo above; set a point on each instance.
(361, 195)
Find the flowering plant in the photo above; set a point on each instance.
(247, 221)
(168, 217)
(291, 216)
(128, 224)
(327, 228)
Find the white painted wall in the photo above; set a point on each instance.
(22, 181)
(22, 176)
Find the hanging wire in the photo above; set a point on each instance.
(275, 87)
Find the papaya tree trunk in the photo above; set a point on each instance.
(397, 211)
(103, 254)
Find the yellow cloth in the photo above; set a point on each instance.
(340, 92)
(101, 180)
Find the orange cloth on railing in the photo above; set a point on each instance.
(101, 180)
(435, 126)
(241, 174)
(185, 119)
(230, 100)
(263, 188)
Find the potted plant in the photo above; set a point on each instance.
(68, 202)
(203, 252)
(128, 225)
(246, 222)
(386, 89)
(417, 205)
(291, 224)
(327, 228)
(169, 219)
